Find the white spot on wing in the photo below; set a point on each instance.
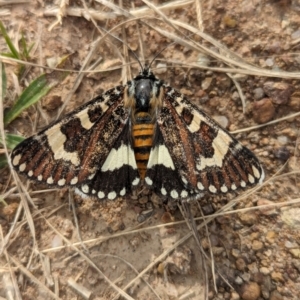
(74, 180)
(221, 146)
(136, 181)
(101, 195)
(116, 158)
(224, 188)
(16, 160)
(233, 187)
(200, 186)
(93, 191)
(40, 178)
(123, 192)
(91, 176)
(56, 140)
(85, 188)
(50, 180)
(61, 182)
(111, 195)
(184, 194)
(22, 167)
(184, 180)
(243, 183)
(256, 172)
(163, 191)
(251, 178)
(148, 181)
(212, 189)
(174, 194)
(30, 173)
(160, 155)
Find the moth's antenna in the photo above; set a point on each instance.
(156, 55)
(120, 40)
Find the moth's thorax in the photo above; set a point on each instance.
(143, 94)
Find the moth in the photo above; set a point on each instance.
(142, 132)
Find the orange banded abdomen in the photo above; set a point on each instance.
(142, 133)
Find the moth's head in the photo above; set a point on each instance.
(145, 73)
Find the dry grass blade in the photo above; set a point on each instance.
(30, 276)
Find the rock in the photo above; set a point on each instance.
(222, 120)
(282, 153)
(257, 245)
(250, 291)
(279, 92)
(271, 236)
(267, 211)
(258, 93)
(240, 264)
(277, 276)
(206, 83)
(263, 110)
(275, 295)
(248, 218)
(294, 102)
(282, 139)
(295, 252)
(291, 216)
(161, 68)
(265, 271)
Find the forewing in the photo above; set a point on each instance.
(72, 150)
(205, 155)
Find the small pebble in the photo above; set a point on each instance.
(277, 276)
(295, 252)
(222, 120)
(258, 93)
(268, 211)
(264, 271)
(257, 245)
(275, 295)
(269, 62)
(282, 139)
(161, 68)
(279, 92)
(263, 111)
(295, 34)
(206, 83)
(250, 291)
(282, 153)
(248, 218)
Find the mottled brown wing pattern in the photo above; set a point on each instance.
(203, 155)
(71, 151)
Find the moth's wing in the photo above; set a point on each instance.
(205, 155)
(71, 151)
(162, 175)
(118, 174)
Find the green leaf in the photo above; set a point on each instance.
(4, 80)
(3, 161)
(9, 42)
(32, 94)
(12, 140)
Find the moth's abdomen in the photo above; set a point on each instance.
(142, 133)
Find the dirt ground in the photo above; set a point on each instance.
(239, 61)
